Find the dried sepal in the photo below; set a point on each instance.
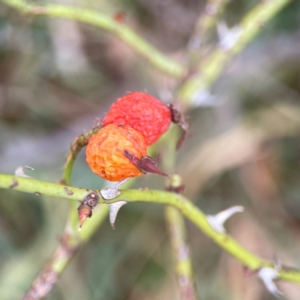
(145, 164)
(179, 119)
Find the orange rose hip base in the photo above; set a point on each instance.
(117, 153)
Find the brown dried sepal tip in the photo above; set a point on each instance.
(179, 119)
(145, 164)
(86, 206)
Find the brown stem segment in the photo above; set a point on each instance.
(86, 206)
(49, 275)
(69, 243)
(81, 141)
(78, 143)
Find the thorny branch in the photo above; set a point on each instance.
(159, 60)
(191, 212)
(71, 240)
(188, 93)
(246, 31)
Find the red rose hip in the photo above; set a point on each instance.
(142, 112)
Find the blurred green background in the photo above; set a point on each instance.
(57, 77)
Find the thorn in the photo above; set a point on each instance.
(268, 275)
(113, 211)
(217, 221)
(113, 191)
(227, 36)
(206, 99)
(20, 171)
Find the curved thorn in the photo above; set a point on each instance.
(268, 275)
(113, 191)
(227, 36)
(206, 99)
(20, 171)
(217, 221)
(113, 211)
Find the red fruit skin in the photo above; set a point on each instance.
(141, 111)
(105, 152)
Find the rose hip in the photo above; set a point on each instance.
(105, 152)
(143, 112)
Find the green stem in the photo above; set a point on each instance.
(181, 254)
(208, 20)
(72, 239)
(159, 60)
(176, 225)
(203, 29)
(39, 188)
(213, 65)
(64, 253)
(78, 143)
(178, 201)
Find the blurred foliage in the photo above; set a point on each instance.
(58, 76)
